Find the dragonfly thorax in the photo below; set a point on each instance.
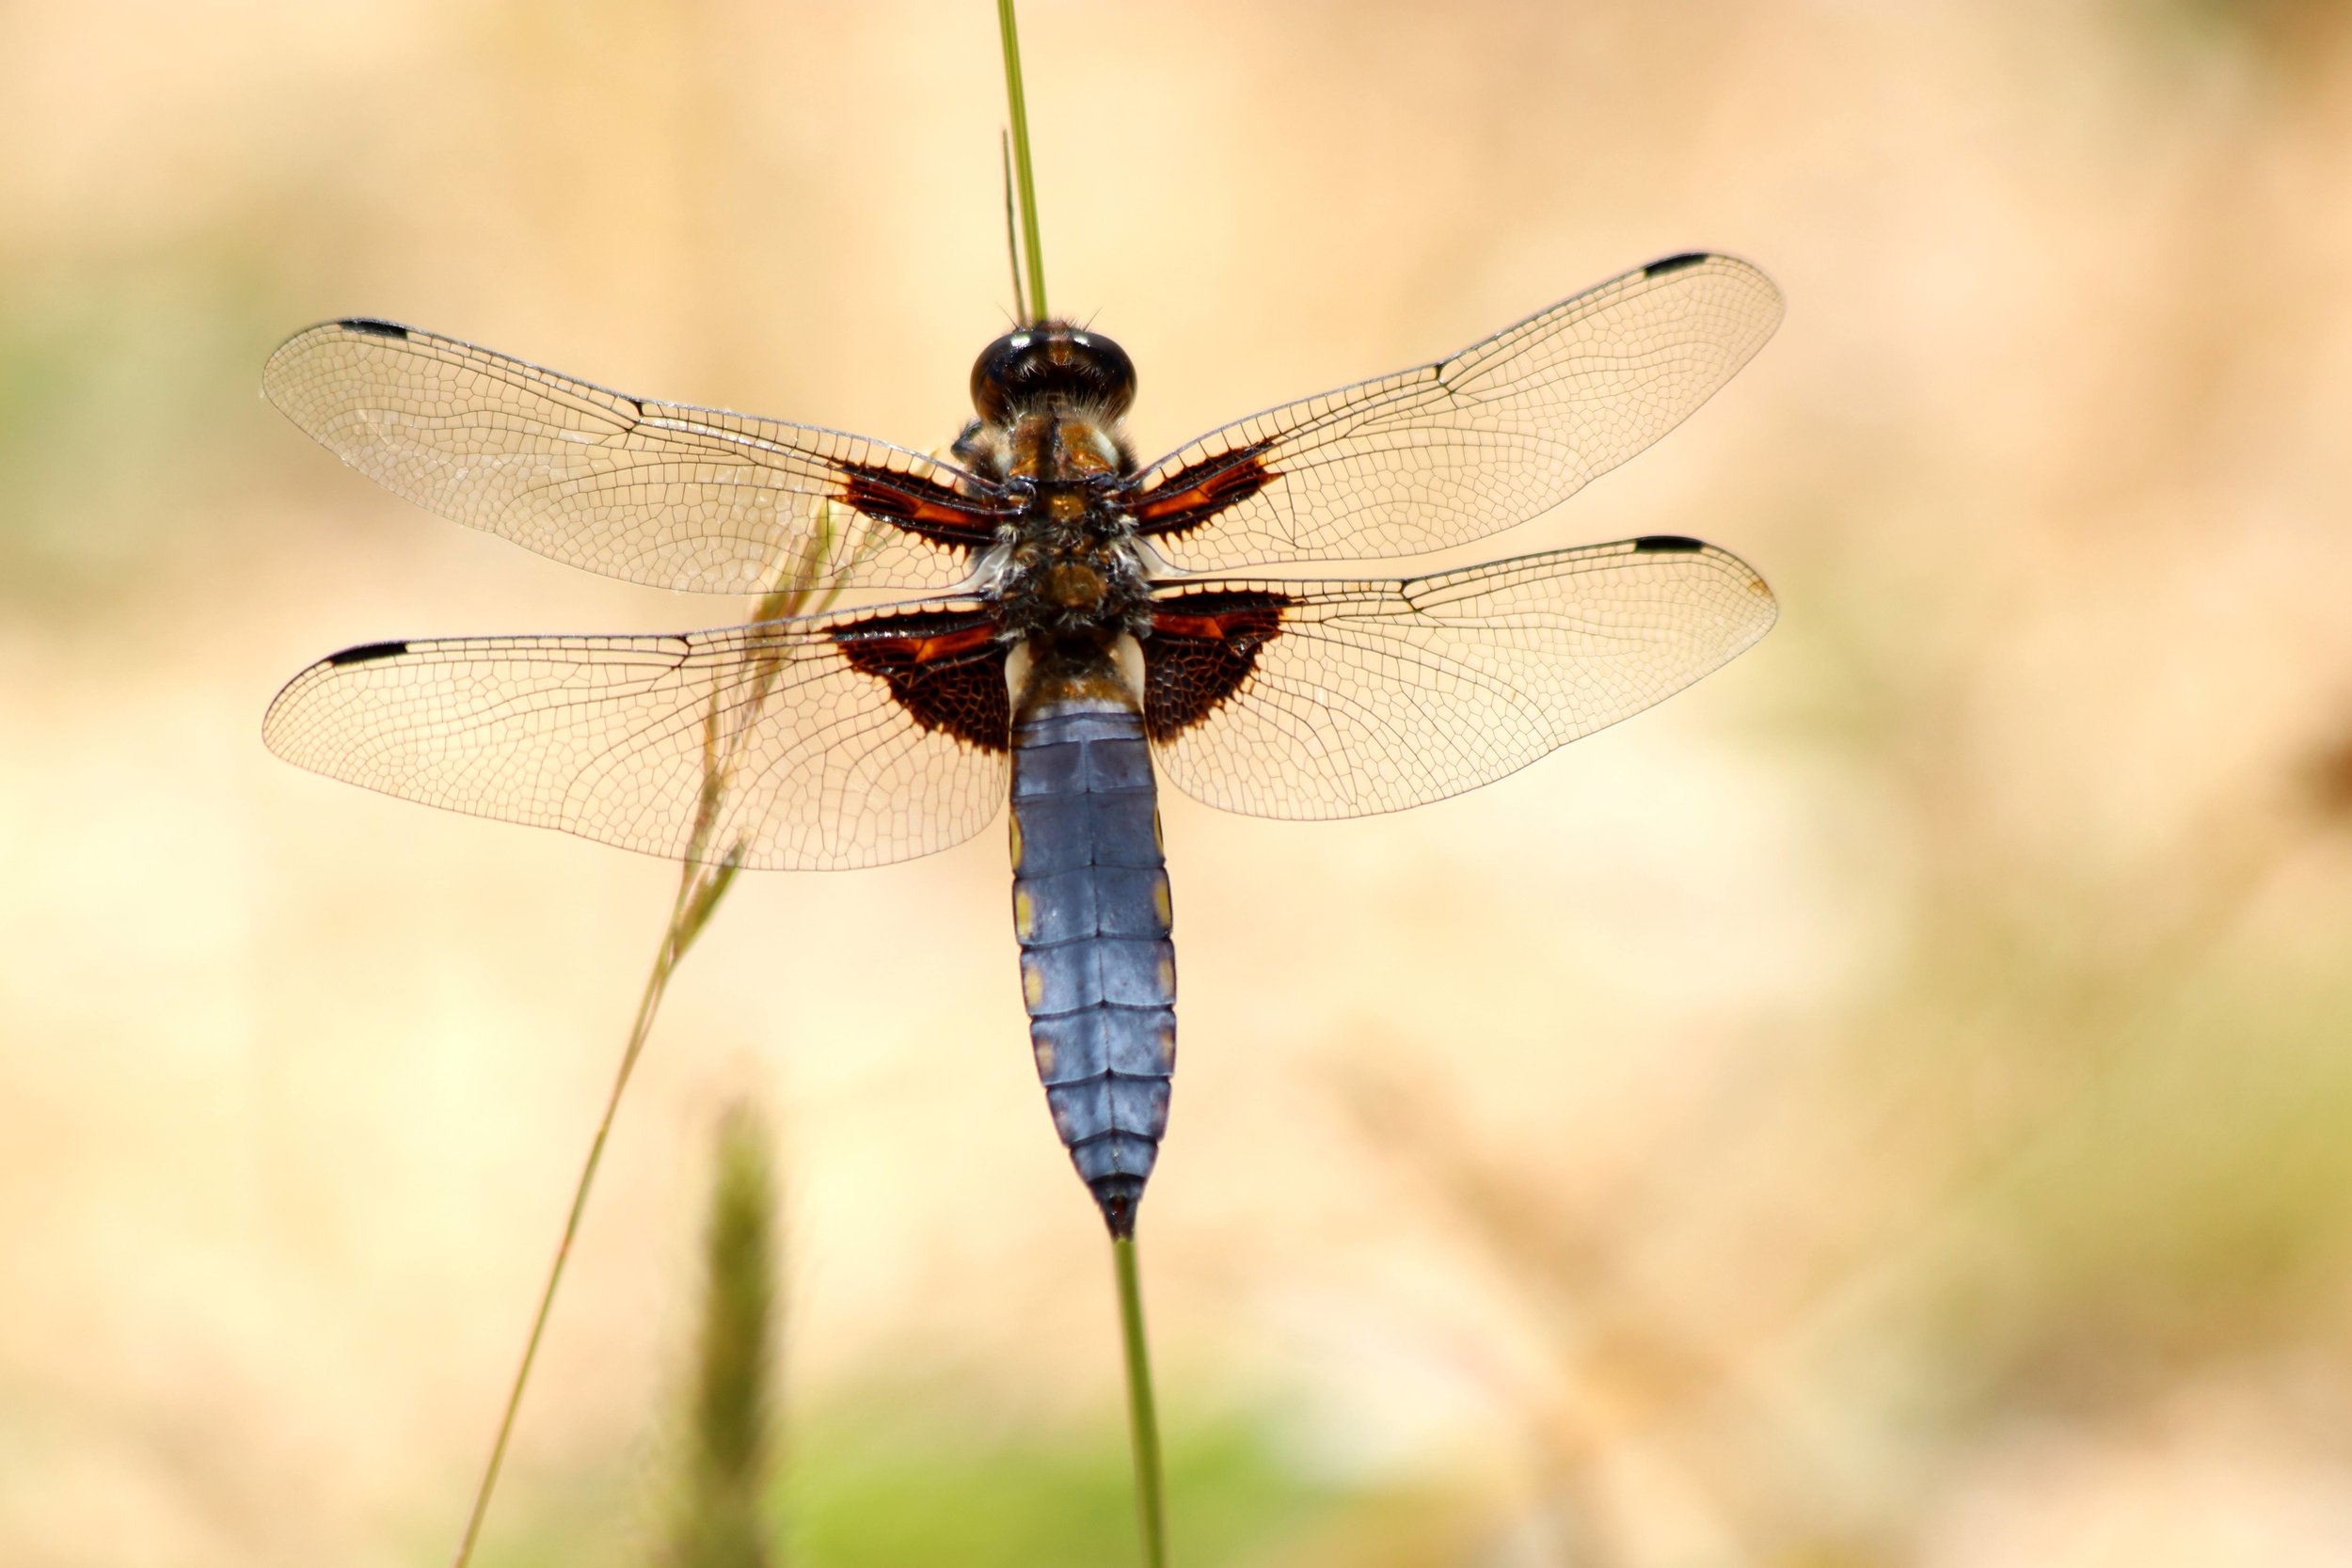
(1085, 579)
(1063, 446)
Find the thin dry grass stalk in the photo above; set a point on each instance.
(803, 589)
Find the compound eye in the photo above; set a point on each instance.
(1053, 365)
(1109, 374)
(1001, 372)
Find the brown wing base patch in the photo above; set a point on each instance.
(1191, 496)
(945, 668)
(1202, 647)
(920, 506)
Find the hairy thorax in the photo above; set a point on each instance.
(1069, 569)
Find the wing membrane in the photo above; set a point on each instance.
(1453, 451)
(1341, 699)
(822, 742)
(657, 493)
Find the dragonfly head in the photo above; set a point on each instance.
(1052, 364)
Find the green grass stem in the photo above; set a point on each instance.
(1143, 1418)
(1023, 171)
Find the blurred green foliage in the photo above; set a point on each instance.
(905, 1478)
(127, 388)
(721, 1523)
(873, 1482)
(868, 1490)
(2203, 1191)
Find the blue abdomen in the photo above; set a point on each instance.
(1091, 908)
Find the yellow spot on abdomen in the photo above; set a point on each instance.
(1016, 841)
(1044, 1049)
(1024, 916)
(1162, 904)
(1032, 983)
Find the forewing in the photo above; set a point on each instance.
(657, 493)
(822, 742)
(1448, 452)
(1341, 699)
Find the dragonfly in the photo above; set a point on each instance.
(1084, 626)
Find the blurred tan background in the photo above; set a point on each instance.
(1888, 1106)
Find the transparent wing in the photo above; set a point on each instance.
(657, 493)
(1448, 452)
(1342, 699)
(822, 742)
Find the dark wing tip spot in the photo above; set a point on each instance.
(366, 651)
(1668, 544)
(1665, 264)
(373, 328)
